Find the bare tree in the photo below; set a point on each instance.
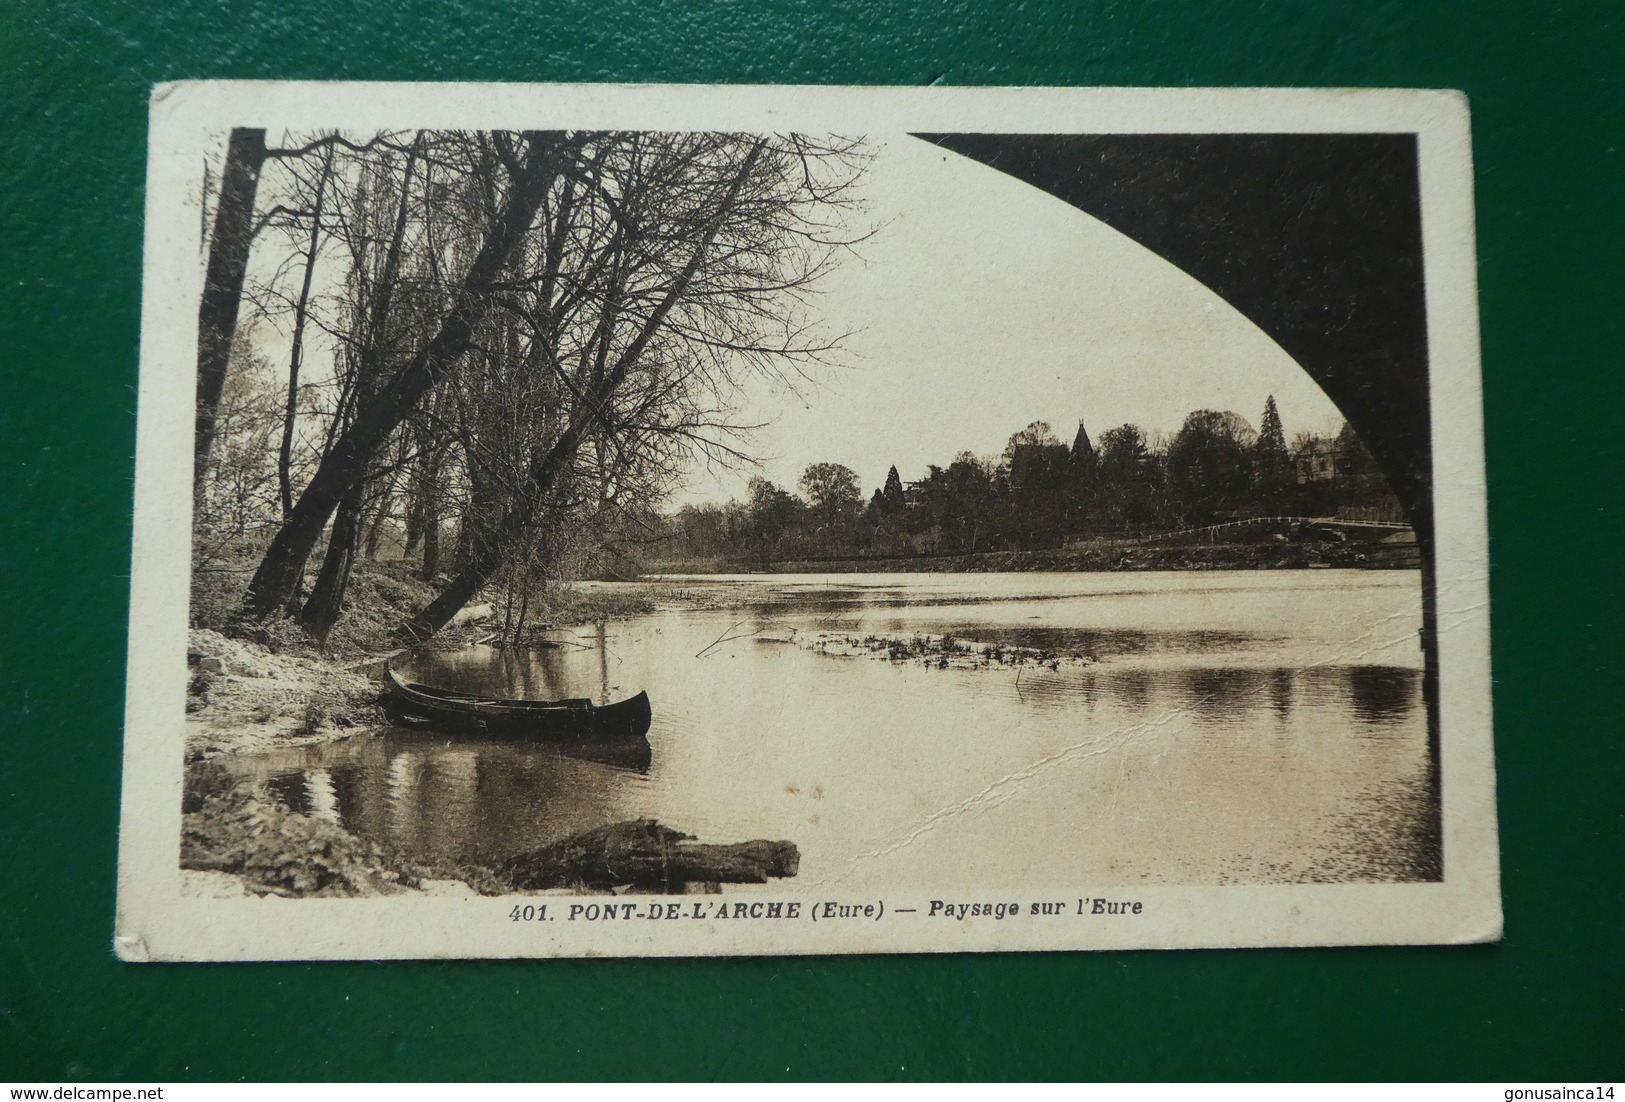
(238, 490)
(235, 228)
(375, 281)
(223, 283)
(301, 312)
(673, 263)
(528, 167)
(532, 332)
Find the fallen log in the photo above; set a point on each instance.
(644, 855)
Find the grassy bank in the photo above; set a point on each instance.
(256, 687)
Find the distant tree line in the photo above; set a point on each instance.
(1041, 492)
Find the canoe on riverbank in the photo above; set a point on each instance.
(575, 720)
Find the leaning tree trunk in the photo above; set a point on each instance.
(482, 564)
(488, 545)
(412, 522)
(326, 600)
(375, 526)
(301, 311)
(375, 420)
(547, 468)
(431, 540)
(223, 284)
(385, 508)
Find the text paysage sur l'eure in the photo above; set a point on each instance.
(823, 910)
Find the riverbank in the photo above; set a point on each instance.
(239, 842)
(271, 687)
(243, 697)
(1106, 557)
(254, 689)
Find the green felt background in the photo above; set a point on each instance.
(1549, 120)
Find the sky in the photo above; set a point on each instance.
(981, 304)
(978, 305)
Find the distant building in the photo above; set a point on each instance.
(1083, 458)
(1316, 461)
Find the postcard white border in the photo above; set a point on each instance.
(156, 922)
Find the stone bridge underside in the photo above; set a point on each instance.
(1316, 238)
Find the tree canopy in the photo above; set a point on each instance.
(1039, 494)
(525, 335)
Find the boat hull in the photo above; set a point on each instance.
(422, 706)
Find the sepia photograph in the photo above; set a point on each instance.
(599, 520)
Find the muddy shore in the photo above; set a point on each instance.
(273, 687)
(252, 690)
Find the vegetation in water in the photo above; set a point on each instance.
(268, 849)
(941, 652)
(275, 851)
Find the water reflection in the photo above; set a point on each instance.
(1131, 687)
(1280, 688)
(1223, 697)
(347, 789)
(1383, 694)
(290, 790)
(552, 671)
(460, 801)
(323, 797)
(1214, 743)
(447, 802)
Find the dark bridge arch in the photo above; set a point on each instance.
(1316, 238)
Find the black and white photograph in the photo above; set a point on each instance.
(591, 520)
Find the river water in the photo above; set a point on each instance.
(1220, 727)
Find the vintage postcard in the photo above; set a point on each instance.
(616, 520)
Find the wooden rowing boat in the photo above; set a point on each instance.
(573, 720)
